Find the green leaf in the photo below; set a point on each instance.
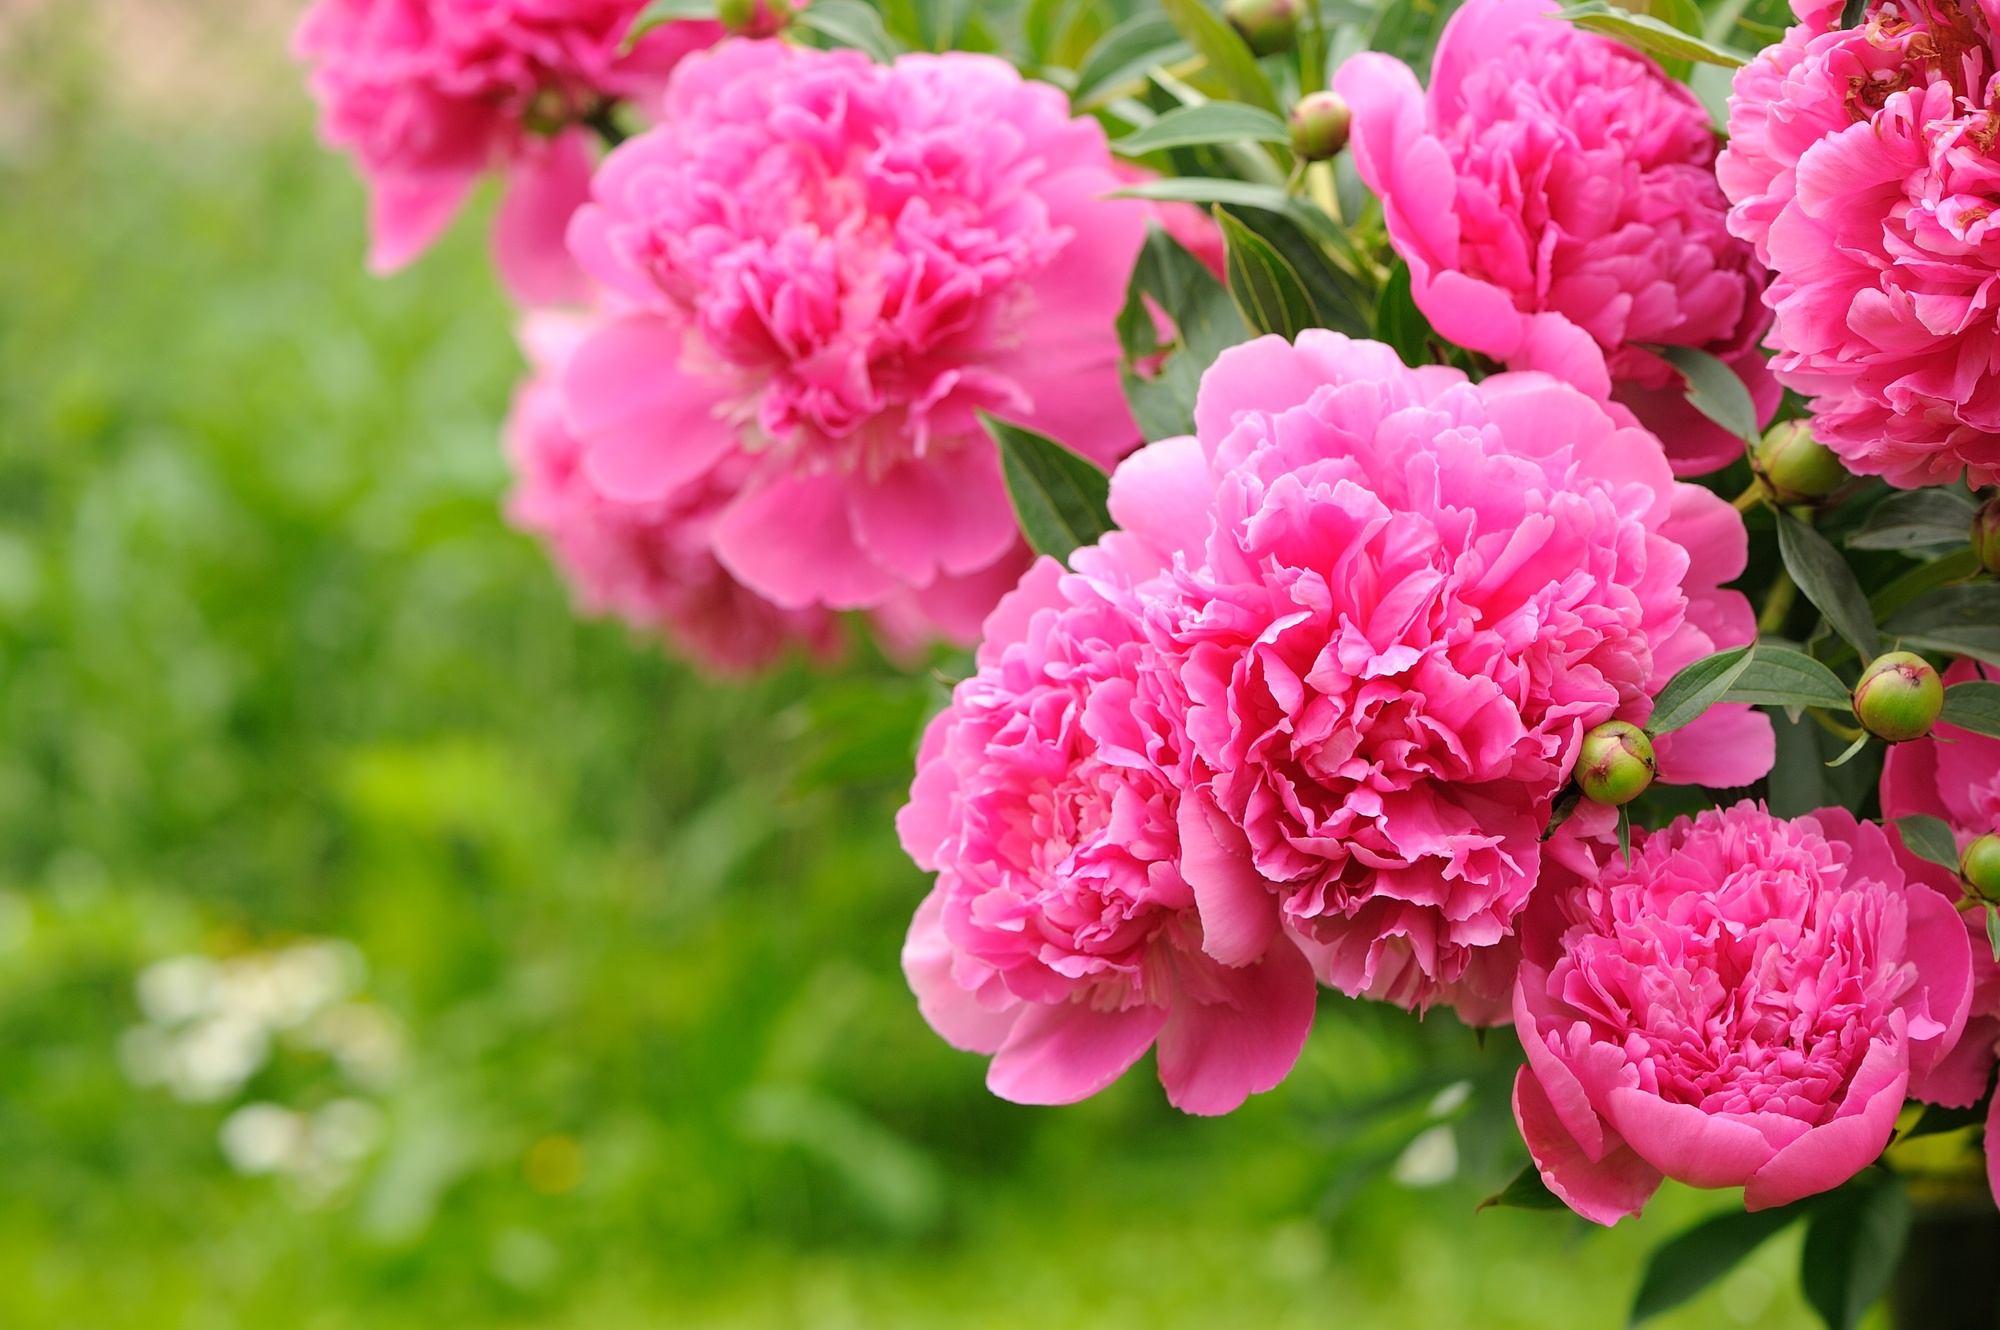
(1954, 567)
(1915, 518)
(1973, 705)
(1266, 289)
(1211, 122)
(1123, 55)
(1205, 323)
(1409, 30)
(1851, 1250)
(1625, 832)
(1228, 58)
(1695, 687)
(1651, 35)
(1208, 189)
(1828, 583)
(1058, 496)
(1714, 390)
(1563, 809)
(1956, 620)
(850, 23)
(1399, 322)
(1689, 1262)
(1526, 1192)
(1341, 299)
(1929, 838)
(666, 11)
(1852, 750)
(1993, 928)
(1853, 12)
(1777, 677)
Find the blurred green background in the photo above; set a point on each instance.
(615, 1035)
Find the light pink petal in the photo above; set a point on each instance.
(544, 190)
(1730, 745)
(1040, 588)
(944, 514)
(1710, 529)
(953, 1012)
(1235, 1032)
(1239, 915)
(1058, 1054)
(1267, 374)
(406, 214)
(1602, 1190)
(792, 540)
(647, 427)
(1161, 494)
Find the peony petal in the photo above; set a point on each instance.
(648, 428)
(1938, 945)
(792, 540)
(1832, 1152)
(544, 190)
(406, 215)
(945, 514)
(1602, 1190)
(1244, 1038)
(1239, 915)
(1162, 493)
(1058, 1054)
(1688, 1145)
(1730, 745)
(953, 1012)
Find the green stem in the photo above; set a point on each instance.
(1749, 498)
(1778, 602)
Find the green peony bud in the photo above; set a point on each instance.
(754, 18)
(1986, 535)
(1266, 26)
(1980, 865)
(1797, 467)
(1899, 697)
(1616, 763)
(1319, 126)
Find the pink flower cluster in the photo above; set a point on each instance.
(1345, 647)
(1554, 196)
(1861, 164)
(429, 95)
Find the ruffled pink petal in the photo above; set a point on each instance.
(1060, 1053)
(1603, 1190)
(1728, 746)
(1239, 915)
(648, 428)
(793, 541)
(954, 1013)
(406, 215)
(1835, 1151)
(544, 190)
(1235, 1032)
(1039, 588)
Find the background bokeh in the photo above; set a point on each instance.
(382, 946)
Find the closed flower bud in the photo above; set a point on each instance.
(1616, 764)
(1319, 126)
(754, 18)
(1798, 467)
(1266, 26)
(1980, 865)
(1899, 697)
(1986, 535)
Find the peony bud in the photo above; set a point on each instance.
(1616, 763)
(1986, 535)
(1319, 126)
(1797, 467)
(1980, 865)
(754, 18)
(1899, 697)
(1266, 26)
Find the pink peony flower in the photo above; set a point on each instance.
(1860, 163)
(1554, 198)
(1397, 601)
(1061, 936)
(1744, 1004)
(1956, 777)
(430, 94)
(836, 265)
(648, 563)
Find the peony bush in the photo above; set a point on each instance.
(1432, 549)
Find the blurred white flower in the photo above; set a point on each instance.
(1428, 1160)
(317, 1152)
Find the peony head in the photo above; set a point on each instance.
(1745, 1003)
(1396, 602)
(831, 267)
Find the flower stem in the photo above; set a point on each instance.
(1778, 603)
(1749, 498)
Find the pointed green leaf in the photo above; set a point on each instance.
(1341, 298)
(1780, 678)
(1409, 30)
(1205, 322)
(667, 11)
(1929, 838)
(1851, 1250)
(1828, 583)
(1695, 687)
(1689, 1262)
(1993, 928)
(1058, 496)
(1973, 705)
(1651, 35)
(1915, 518)
(850, 23)
(1211, 122)
(1526, 1192)
(1714, 390)
(1122, 56)
(1266, 289)
(1925, 577)
(1852, 751)
(1625, 832)
(1228, 58)
(1959, 620)
(1208, 189)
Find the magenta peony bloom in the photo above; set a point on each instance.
(1861, 164)
(648, 563)
(430, 94)
(836, 266)
(1554, 198)
(1061, 936)
(1744, 1004)
(1956, 777)
(1397, 602)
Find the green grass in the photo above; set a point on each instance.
(271, 666)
